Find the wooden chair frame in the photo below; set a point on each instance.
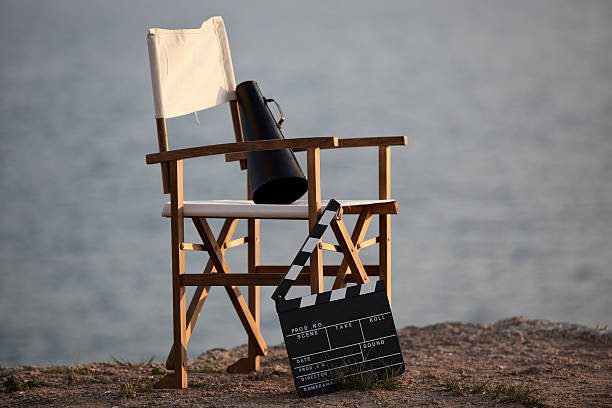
(217, 272)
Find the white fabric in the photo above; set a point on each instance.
(248, 209)
(191, 69)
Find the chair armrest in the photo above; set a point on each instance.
(297, 144)
(342, 143)
(372, 141)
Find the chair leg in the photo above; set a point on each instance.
(385, 251)
(384, 220)
(201, 292)
(253, 261)
(178, 379)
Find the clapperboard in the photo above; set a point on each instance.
(333, 336)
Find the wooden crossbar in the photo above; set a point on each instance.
(242, 309)
(188, 246)
(250, 279)
(367, 243)
(384, 221)
(377, 208)
(328, 270)
(329, 247)
(236, 279)
(236, 242)
(177, 229)
(313, 162)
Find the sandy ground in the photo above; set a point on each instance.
(514, 362)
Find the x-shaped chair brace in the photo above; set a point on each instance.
(348, 245)
(216, 264)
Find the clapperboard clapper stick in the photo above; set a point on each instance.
(340, 336)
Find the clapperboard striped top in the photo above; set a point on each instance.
(330, 296)
(315, 235)
(336, 334)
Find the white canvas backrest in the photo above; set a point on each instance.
(191, 69)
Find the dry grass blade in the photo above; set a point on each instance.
(354, 379)
(128, 389)
(499, 392)
(127, 363)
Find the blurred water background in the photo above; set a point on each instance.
(505, 189)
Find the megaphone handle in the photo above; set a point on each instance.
(280, 110)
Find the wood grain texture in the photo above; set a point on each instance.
(167, 381)
(237, 125)
(328, 270)
(190, 246)
(235, 242)
(372, 141)
(367, 243)
(162, 142)
(366, 141)
(233, 279)
(386, 207)
(329, 247)
(255, 146)
(253, 232)
(266, 278)
(178, 268)
(236, 120)
(384, 220)
(314, 207)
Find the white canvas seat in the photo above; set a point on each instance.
(248, 209)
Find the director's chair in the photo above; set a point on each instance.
(191, 70)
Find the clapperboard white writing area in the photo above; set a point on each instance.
(335, 335)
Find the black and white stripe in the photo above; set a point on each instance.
(331, 296)
(331, 210)
(339, 294)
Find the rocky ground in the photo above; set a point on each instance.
(514, 362)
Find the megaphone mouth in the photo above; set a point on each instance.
(284, 190)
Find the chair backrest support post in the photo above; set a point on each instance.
(314, 207)
(162, 141)
(384, 220)
(237, 124)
